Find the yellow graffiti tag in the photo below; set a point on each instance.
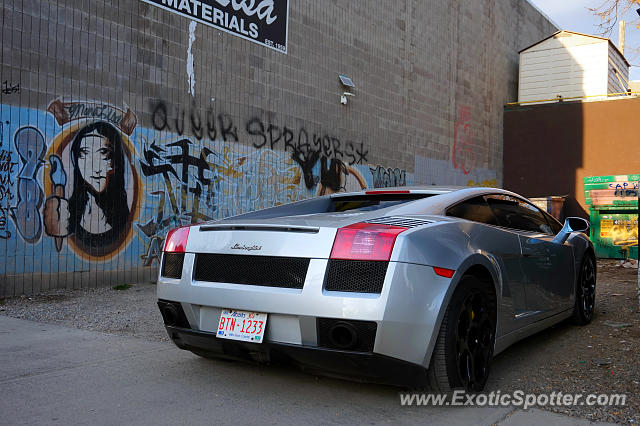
(231, 165)
(493, 183)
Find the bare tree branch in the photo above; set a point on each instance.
(610, 12)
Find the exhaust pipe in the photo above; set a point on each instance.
(170, 315)
(343, 335)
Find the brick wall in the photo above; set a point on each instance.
(190, 122)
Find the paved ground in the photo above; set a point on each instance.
(50, 374)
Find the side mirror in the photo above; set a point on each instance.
(571, 224)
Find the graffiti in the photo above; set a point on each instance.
(2, 131)
(256, 180)
(487, 183)
(89, 184)
(87, 199)
(200, 125)
(65, 112)
(153, 252)
(307, 149)
(462, 155)
(624, 189)
(205, 177)
(606, 193)
(203, 180)
(159, 162)
(4, 232)
(155, 229)
(8, 88)
(30, 147)
(303, 144)
(337, 176)
(388, 177)
(7, 168)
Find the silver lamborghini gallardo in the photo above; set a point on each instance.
(406, 286)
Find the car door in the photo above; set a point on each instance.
(504, 246)
(547, 267)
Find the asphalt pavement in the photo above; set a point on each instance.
(57, 375)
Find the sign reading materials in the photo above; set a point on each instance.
(261, 21)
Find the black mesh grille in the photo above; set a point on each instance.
(358, 276)
(365, 334)
(172, 265)
(269, 271)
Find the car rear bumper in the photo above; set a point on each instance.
(406, 311)
(358, 366)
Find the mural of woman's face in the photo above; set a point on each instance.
(94, 161)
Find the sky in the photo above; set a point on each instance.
(574, 15)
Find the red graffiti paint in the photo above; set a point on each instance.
(462, 155)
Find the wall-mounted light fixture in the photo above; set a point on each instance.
(348, 84)
(343, 97)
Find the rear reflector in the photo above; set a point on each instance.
(176, 241)
(365, 241)
(444, 272)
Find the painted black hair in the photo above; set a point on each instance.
(113, 200)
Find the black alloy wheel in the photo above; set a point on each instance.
(585, 291)
(474, 341)
(463, 351)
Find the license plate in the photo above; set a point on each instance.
(242, 325)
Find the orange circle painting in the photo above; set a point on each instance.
(92, 189)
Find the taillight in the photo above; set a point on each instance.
(365, 241)
(176, 241)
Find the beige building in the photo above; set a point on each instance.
(571, 65)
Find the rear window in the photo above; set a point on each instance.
(371, 202)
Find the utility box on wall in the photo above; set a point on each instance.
(613, 208)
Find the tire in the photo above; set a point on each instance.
(464, 348)
(585, 291)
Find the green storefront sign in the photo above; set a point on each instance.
(613, 208)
